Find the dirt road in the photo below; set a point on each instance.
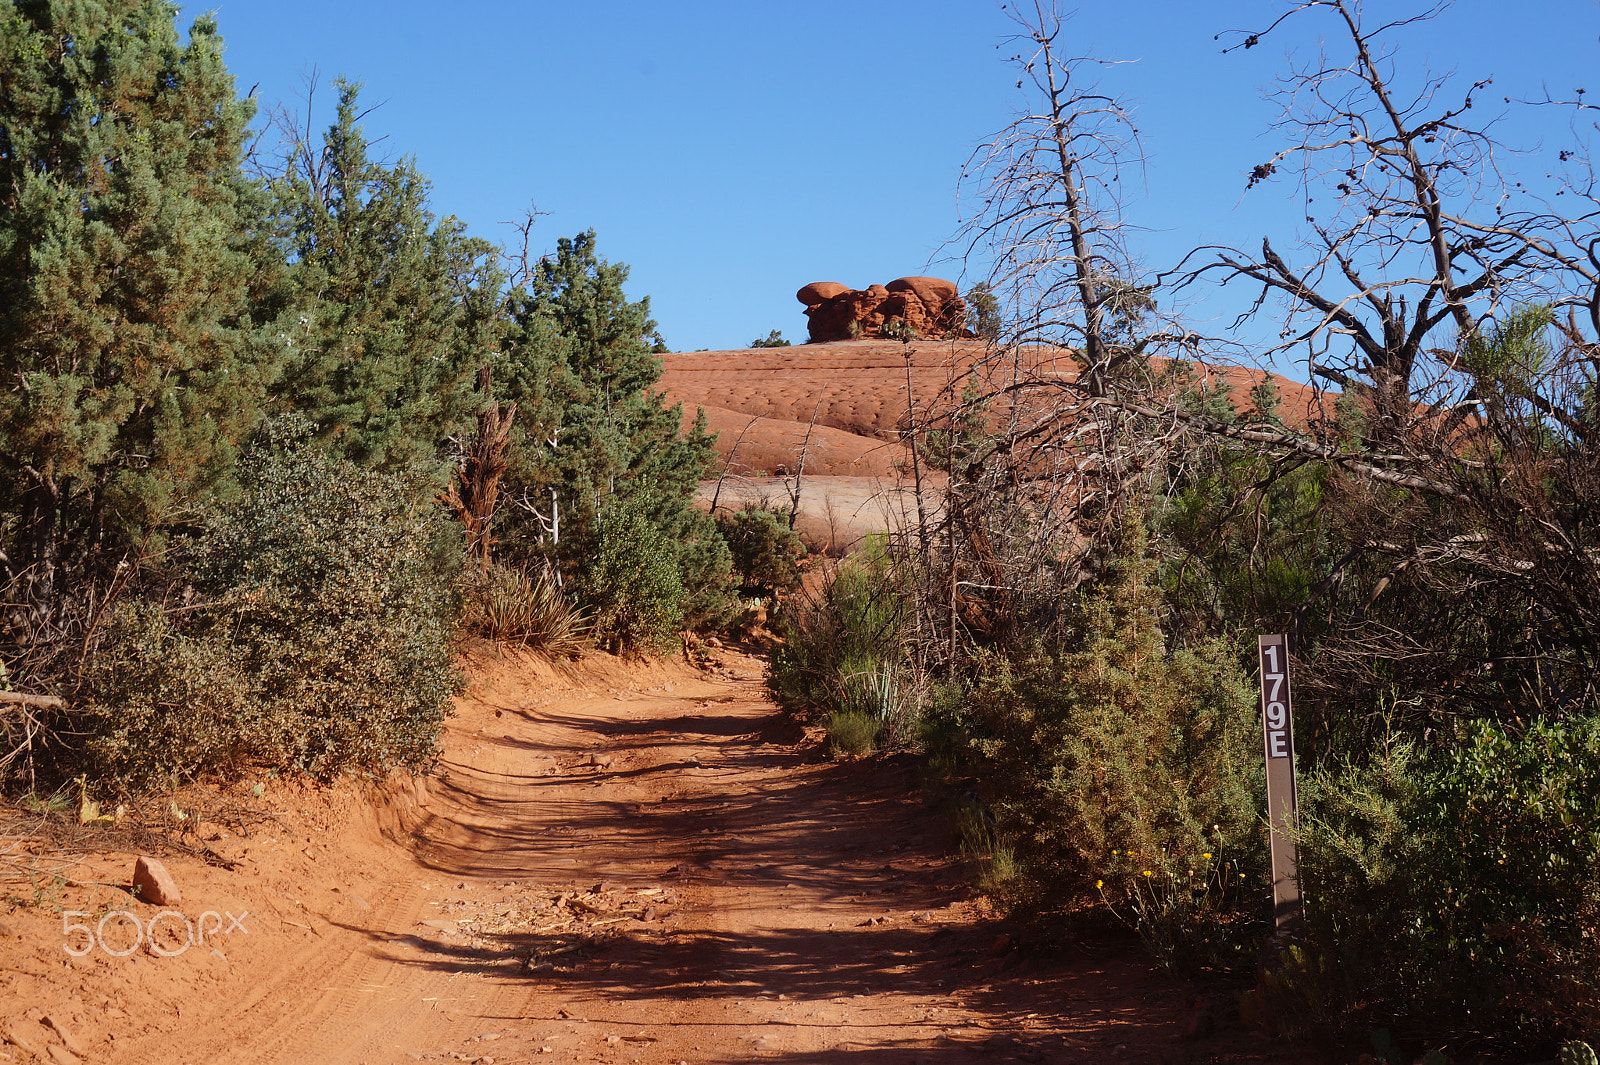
(619, 864)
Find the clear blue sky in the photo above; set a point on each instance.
(733, 152)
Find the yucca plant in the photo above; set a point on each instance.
(510, 604)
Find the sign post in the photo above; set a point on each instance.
(1277, 723)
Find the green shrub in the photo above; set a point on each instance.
(983, 845)
(1357, 848)
(1126, 772)
(318, 640)
(706, 569)
(1459, 889)
(509, 604)
(766, 552)
(168, 707)
(635, 587)
(852, 732)
(843, 649)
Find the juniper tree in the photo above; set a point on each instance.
(130, 364)
(598, 439)
(400, 308)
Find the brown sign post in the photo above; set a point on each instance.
(1277, 723)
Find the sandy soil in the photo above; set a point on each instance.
(618, 863)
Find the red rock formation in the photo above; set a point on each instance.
(929, 305)
(820, 292)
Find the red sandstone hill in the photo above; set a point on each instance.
(853, 397)
(844, 404)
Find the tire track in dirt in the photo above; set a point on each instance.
(801, 904)
(779, 866)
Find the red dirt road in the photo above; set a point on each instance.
(621, 863)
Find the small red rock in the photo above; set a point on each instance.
(154, 884)
(61, 1055)
(70, 1041)
(16, 1040)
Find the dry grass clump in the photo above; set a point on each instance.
(507, 603)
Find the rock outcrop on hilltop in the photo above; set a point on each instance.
(929, 305)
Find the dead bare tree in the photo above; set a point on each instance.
(519, 260)
(1415, 236)
(913, 435)
(800, 470)
(722, 476)
(1029, 506)
(1045, 196)
(295, 153)
(1460, 312)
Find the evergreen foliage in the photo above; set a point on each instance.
(766, 552)
(1244, 540)
(132, 364)
(399, 309)
(1461, 884)
(1113, 759)
(983, 311)
(1264, 402)
(635, 585)
(596, 436)
(289, 608)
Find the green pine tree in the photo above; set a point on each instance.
(596, 436)
(131, 362)
(1264, 403)
(984, 316)
(400, 309)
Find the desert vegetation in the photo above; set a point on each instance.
(1076, 610)
(277, 435)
